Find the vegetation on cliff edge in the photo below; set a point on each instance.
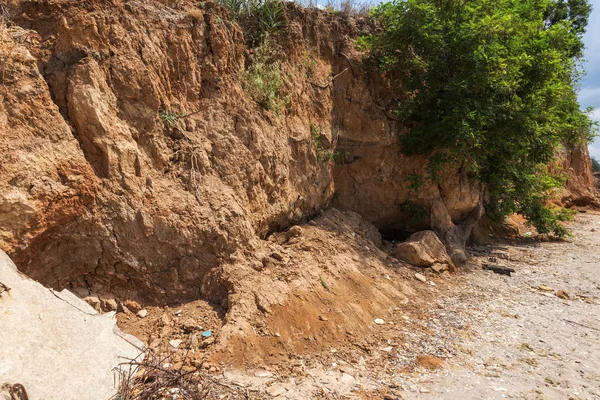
(490, 87)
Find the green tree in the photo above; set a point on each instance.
(486, 86)
(595, 165)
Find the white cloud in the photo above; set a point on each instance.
(594, 149)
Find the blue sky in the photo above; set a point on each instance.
(589, 95)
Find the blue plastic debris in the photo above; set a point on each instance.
(207, 333)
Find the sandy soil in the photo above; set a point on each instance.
(497, 336)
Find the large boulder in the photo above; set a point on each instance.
(423, 249)
(54, 344)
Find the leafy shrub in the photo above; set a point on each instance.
(323, 155)
(487, 86)
(264, 81)
(595, 165)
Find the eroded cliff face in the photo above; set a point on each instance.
(107, 195)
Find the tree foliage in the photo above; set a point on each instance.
(488, 85)
(595, 164)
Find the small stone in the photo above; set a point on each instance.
(439, 268)
(175, 343)
(212, 370)
(275, 391)
(387, 349)
(348, 380)
(178, 313)
(190, 325)
(323, 318)
(379, 321)
(420, 277)
(431, 283)
(93, 301)
(193, 341)
(563, 294)
(134, 306)
(277, 334)
(109, 304)
(545, 288)
(207, 342)
(142, 313)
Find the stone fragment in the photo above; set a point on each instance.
(142, 313)
(134, 306)
(175, 343)
(545, 288)
(439, 267)
(421, 277)
(275, 390)
(93, 301)
(563, 294)
(379, 321)
(191, 325)
(108, 304)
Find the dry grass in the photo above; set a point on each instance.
(154, 377)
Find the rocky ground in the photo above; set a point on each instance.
(485, 336)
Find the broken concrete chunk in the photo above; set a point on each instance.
(55, 344)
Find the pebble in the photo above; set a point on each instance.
(420, 277)
(275, 391)
(175, 343)
(142, 313)
(379, 321)
(563, 294)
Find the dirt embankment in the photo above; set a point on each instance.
(135, 165)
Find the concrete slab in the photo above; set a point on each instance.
(56, 345)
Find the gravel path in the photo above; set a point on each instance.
(526, 342)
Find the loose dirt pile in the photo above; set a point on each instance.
(478, 335)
